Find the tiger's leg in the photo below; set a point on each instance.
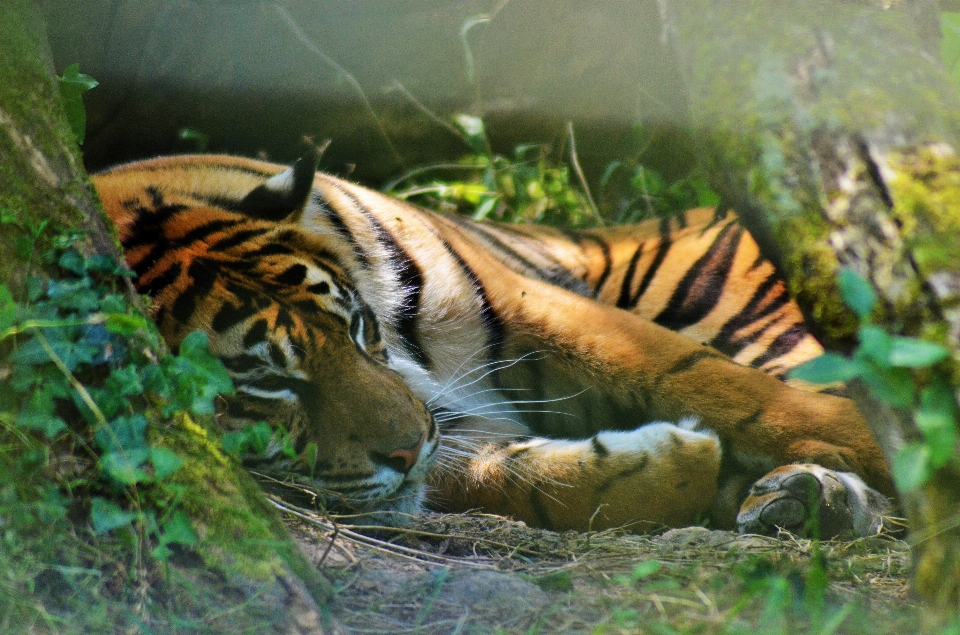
(622, 369)
(657, 475)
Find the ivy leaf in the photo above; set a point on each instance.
(911, 466)
(827, 369)
(124, 466)
(73, 84)
(178, 529)
(107, 516)
(39, 414)
(202, 376)
(165, 462)
(122, 434)
(908, 352)
(857, 293)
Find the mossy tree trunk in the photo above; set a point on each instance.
(44, 193)
(832, 130)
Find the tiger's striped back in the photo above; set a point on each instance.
(696, 274)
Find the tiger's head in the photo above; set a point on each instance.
(216, 243)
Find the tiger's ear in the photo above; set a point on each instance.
(283, 196)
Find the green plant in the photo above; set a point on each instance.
(73, 84)
(81, 389)
(533, 187)
(904, 372)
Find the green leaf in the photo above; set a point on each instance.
(911, 467)
(908, 352)
(178, 529)
(124, 466)
(165, 462)
(8, 309)
(73, 84)
(39, 413)
(485, 207)
(894, 386)
(827, 369)
(857, 293)
(107, 515)
(125, 324)
(309, 456)
(936, 418)
(876, 344)
(122, 434)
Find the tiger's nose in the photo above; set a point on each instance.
(403, 459)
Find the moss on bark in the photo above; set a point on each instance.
(832, 132)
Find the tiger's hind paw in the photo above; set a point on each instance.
(809, 500)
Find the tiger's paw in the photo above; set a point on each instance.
(809, 500)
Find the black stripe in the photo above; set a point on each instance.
(642, 461)
(200, 233)
(702, 285)
(749, 421)
(229, 315)
(202, 275)
(623, 301)
(689, 361)
(411, 281)
(607, 260)
(339, 224)
(256, 333)
(491, 322)
(662, 250)
(160, 282)
(293, 275)
(236, 238)
(599, 449)
(782, 344)
(539, 509)
(556, 274)
(727, 341)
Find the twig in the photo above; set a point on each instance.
(583, 180)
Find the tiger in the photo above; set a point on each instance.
(621, 377)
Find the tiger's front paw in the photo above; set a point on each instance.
(809, 500)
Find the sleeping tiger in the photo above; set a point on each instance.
(570, 379)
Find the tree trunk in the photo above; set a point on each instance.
(832, 130)
(251, 570)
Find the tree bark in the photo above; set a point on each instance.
(257, 570)
(832, 130)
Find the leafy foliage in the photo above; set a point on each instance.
(533, 187)
(79, 373)
(902, 372)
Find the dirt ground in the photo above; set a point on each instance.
(462, 574)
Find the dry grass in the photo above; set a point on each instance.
(465, 574)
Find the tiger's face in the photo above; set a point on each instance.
(302, 347)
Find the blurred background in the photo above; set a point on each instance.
(379, 79)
